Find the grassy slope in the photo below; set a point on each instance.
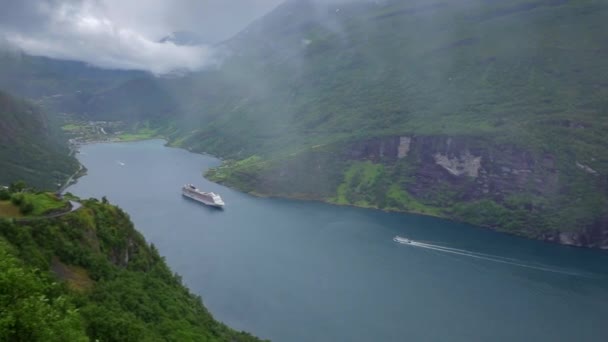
(32, 205)
(8, 209)
(31, 148)
(121, 287)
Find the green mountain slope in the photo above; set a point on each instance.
(31, 148)
(483, 111)
(90, 276)
(62, 85)
(76, 90)
(308, 72)
(489, 112)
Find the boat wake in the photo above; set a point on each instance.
(488, 257)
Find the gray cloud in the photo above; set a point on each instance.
(124, 34)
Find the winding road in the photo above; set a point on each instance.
(73, 207)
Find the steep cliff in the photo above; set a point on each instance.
(533, 193)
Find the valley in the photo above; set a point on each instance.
(390, 168)
(527, 109)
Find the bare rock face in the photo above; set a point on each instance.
(476, 169)
(404, 147)
(594, 236)
(466, 164)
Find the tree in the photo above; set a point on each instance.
(4, 195)
(26, 207)
(17, 186)
(32, 310)
(17, 199)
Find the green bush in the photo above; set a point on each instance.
(17, 199)
(26, 207)
(17, 186)
(32, 308)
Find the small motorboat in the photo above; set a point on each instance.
(403, 240)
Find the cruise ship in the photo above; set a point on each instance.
(209, 198)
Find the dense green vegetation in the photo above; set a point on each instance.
(139, 132)
(520, 70)
(38, 204)
(83, 131)
(520, 75)
(370, 185)
(89, 275)
(31, 147)
(302, 85)
(55, 84)
(33, 307)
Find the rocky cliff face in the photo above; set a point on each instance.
(476, 167)
(471, 179)
(499, 186)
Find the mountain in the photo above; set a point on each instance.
(487, 112)
(31, 147)
(36, 77)
(90, 276)
(57, 85)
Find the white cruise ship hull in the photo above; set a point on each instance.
(205, 202)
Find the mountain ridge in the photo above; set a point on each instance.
(31, 146)
(518, 86)
(523, 101)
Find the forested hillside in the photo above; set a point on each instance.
(490, 112)
(63, 85)
(90, 276)
(31, 146)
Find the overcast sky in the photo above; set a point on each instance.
(124, 34)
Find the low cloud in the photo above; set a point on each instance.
(117, 34)
(102, 44)
(125, 34)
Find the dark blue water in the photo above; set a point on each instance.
(304, 271)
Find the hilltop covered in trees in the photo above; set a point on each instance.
(89, 275)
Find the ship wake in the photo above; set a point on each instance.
(493, 258)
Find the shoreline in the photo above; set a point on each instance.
(74, 147)
(397, 211)
(73, 179)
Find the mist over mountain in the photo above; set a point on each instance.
(125, 35)
(488, 112)
(483, 111)
(183, 38)
(31, 146)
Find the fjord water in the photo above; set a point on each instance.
(305, 271)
